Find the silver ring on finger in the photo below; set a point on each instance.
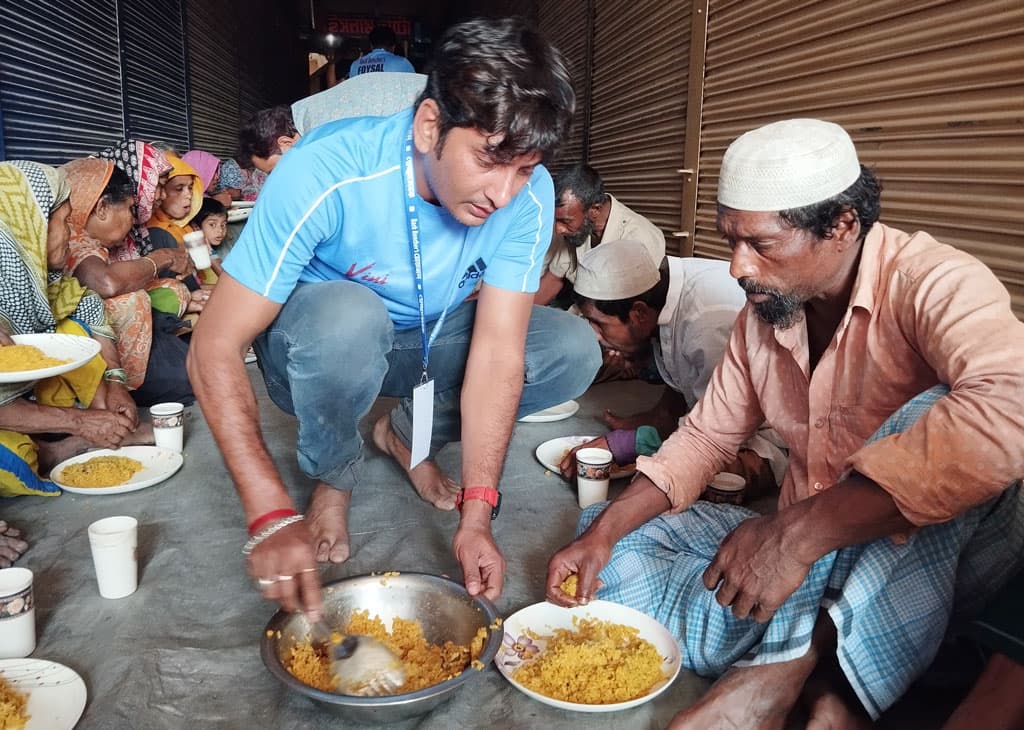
(265, 582)
(285, 577)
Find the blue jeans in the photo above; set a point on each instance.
(332, 350)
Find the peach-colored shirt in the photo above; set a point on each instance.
(921, 313)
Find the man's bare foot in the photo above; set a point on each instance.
(748, 697)
(430, 482)
(11, 545)
(826, 696)
(327, 519)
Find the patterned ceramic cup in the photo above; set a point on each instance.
(169, 425)
(17, 613)
(593, 472)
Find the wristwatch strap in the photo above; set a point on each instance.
(488, 494)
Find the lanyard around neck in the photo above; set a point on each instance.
(412, 218)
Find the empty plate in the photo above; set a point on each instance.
(554, 413)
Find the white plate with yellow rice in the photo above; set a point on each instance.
(619, 657)
(157, 465)
(55, 694)
(72, 351)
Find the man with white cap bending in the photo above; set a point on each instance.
(891, 365)
(681, 312)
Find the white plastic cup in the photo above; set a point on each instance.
(169, 425)
(593, 473)
(17, 613)
(195, 243)
(113, 541)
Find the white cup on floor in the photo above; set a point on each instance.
(113, 541)
(195, 244)
(17, 613)
(593, 473)
(168, 425)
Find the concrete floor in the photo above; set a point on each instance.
(183, 650)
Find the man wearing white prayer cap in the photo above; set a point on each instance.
(891, 364)
(681, 313)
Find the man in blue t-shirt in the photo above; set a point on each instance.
(323, 283)
(382, 55)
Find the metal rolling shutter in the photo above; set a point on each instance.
(565, 23)
(213, 80)
(155, 83)
(931, 92)
(60, 100)
(638, 105)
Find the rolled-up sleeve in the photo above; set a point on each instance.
(968, 446)
(713, 432)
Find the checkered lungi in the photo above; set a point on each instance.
(891, 603)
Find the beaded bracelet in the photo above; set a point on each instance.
(269, 530)
(116, 375)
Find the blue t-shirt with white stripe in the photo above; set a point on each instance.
(334, 209)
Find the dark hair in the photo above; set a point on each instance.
(583, 181)
(258, 136)
(502, 77)
(654, 298)
(210, 207)
(119, 188)
(382, 37)
(863, 197)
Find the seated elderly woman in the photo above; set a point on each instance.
(208, 167)
(36, 297)
(102, 201)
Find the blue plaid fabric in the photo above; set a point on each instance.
(890, 603)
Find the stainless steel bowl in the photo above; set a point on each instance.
(443, 607)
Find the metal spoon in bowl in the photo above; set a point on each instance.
(365, 666)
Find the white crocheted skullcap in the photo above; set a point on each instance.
(616, 270)
(787, 164)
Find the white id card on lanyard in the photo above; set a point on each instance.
(422, 422)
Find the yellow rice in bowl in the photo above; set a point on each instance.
(12, 707)
(16, 358)
(100, 471)
(595, 663)
(425, 664)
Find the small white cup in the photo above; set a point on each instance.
(593, 473)
(113, 541)
(169, 425)
(195, 243)
(17, 613)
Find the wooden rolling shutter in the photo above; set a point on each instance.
(155, 83)
(638, 105)
(932, 93)
(564, 23)
(60, 99)
(213, 80)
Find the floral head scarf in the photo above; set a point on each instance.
(144, 164)
(34, 299)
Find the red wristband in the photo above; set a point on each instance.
(490, 495)
(262, 520)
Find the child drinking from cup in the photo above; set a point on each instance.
(212, 220)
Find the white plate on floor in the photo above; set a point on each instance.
(550, 455)
(56, 694)
(541, 619)
(157, 465)
(554, 413)
(77, 350)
